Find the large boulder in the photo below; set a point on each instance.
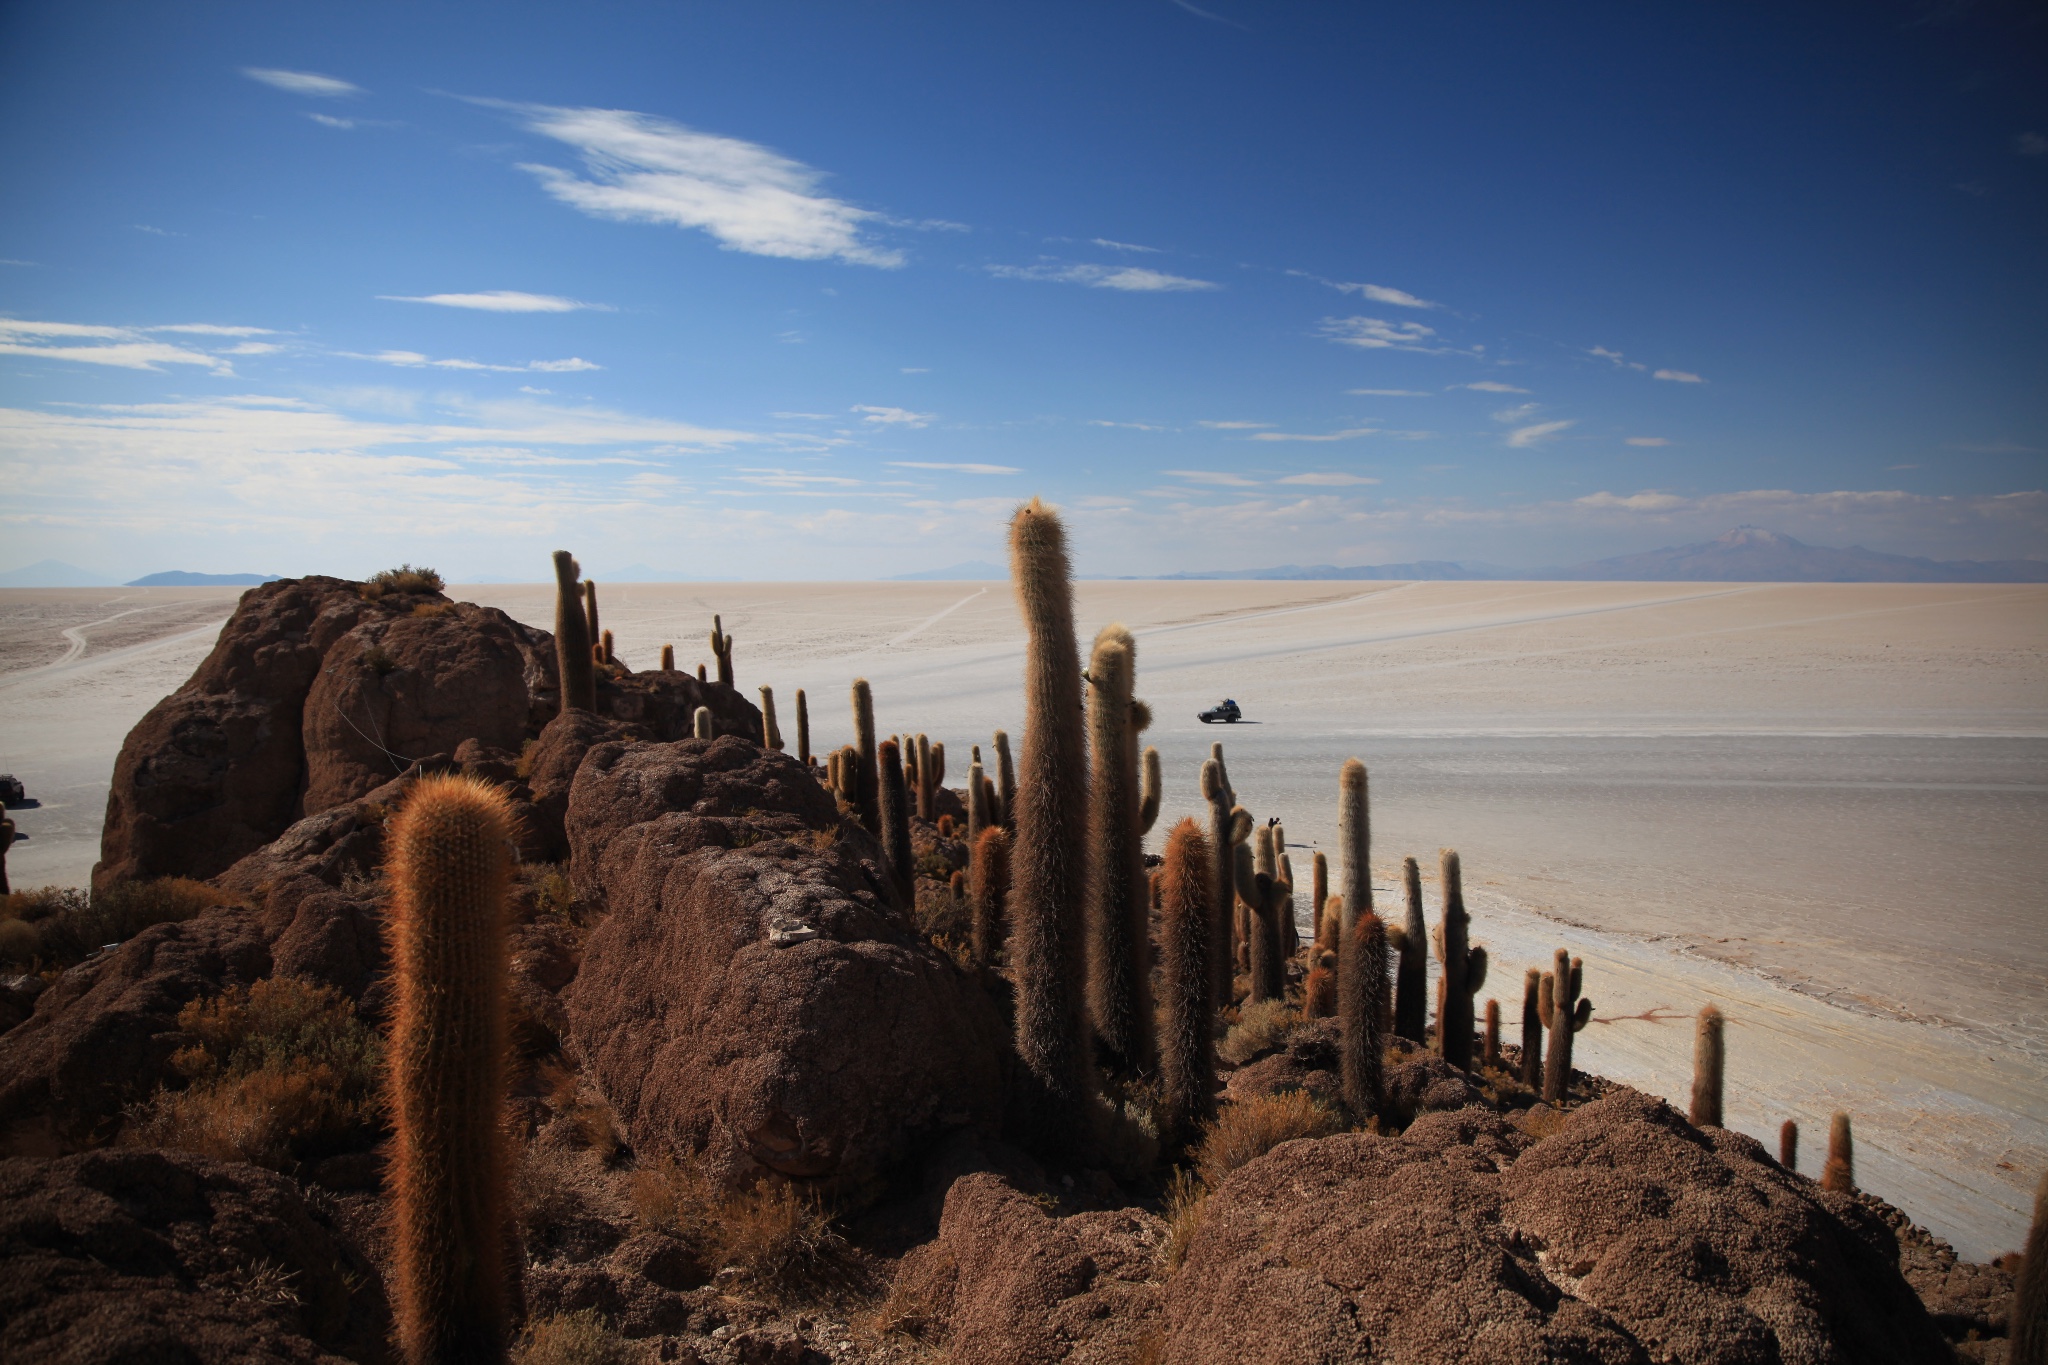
(752, 988)
(158, 1256)
(1628, 1236)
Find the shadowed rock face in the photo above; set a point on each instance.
(1627, 1236)
(157, 1256)
(752, 987)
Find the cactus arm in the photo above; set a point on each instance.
(1475, 970)
(1582, 1016)
(1148, 806)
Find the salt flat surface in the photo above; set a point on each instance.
(1821, 806)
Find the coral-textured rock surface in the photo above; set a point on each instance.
(1627, 1236)
(156, 1256)
(752, 989)
(400, 688)
(1007, 1283)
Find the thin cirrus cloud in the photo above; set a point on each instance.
(416, 361)
(503, 301)
(954, 468)
(302, 82)
(1347, 435)
(125, 348)
(1130, 279)
(1211, 476)
(1234, 426)
(1648, 441)
(1522, 437)
(640, 168)
(893, 417)
(1125, 246)
(1392, 393)
(1679, 376)
(1490, 386)
(1378, 293)
(1377, 334)
(1329, 480)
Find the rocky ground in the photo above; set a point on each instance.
(764, 1111)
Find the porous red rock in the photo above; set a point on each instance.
(751, 987)
(1627, 1236)
(1007, 1283)
(158, 1256)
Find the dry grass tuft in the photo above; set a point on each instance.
(1248, 1129)
(1262, 1026)
(61, 926)
(1185, 1197)
(777, 1235)
(404, 578)
(580, 1338)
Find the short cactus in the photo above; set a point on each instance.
(721, 649)
(1489, 1055)
(606, 653)
(771, 733)
(896, 824)
(1532, 1028)
(701, 724)
(450, 872)
(668, 658)
(1005, 811)
(1707, 1057)
(977, 800)
(1361, 1001)
(1840, 1171)
(866, 794)
(700, 674)
(803, 729)
(576, 676)
(1319, 991)
(1565, 1014)
(1788, 1145)
(988, 887)
(1187, 1046)
(1464, 967)
(590, 611)
(1150, 789)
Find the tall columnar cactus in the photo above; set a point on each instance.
(917, 754)
(1840, 1171)
(1331, 940)
(1187, 1041)
(1119, 941)
(2028, 1319)
(1464, 967)
(977, 800)
(1256, 878)
(1532, 1028)
(1412, 977)
(1707, 1057)
(1354, 841)
(1005, 779)
(1788, 1145)
(1049, 866)
(866, 777)
(771, 733)
(721, 648)
(7, 832)
(450, 871)
(605, 653)
(803, 729)
(590, 610)
(1489, 1055)
(1319, 890)
(572, 639)
(668, 658)
(702, 726)
(1564, 1014)
(1361, 997)
(1222, 882)
(989, 887)
(896, 824)
(933, 774)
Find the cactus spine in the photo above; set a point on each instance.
(701, 724)
(1788, 1145)
(1361, 996)
(1049, 883)
(771, 733)
(1464, 968)
(1532, 1028)
(866, 793)
(1119, 941)
(896, 823)
(1564, 1014)
(721, 647)
(803, 729)
(450, 870)
(1840, 1171)
(989, 886)
(1187, 1056)
(2029, 1315)
(1354, 840)
(1489, 1056)
(572, 639)
(1707, 1056)
(668, 658)
(1006, 783)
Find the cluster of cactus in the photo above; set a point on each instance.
(1229, 826)
(925, 769)
(1266, 895)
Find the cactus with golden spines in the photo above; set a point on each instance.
(450, 872)
(668, 658)
(700, 674)
(1707, 1060)
(895, 796)
(1464, 968)
(1788, 1145)
(803, 729)
(1361, 1004)
(1319, 991)
(989, 887)
(977, 799)
(1319, 893)
(771, 733)
(1119, 957)
(721, 649)
(1840, 1171)
(1328, 941)
(1565, 1015)
(577, 677)
(1411, 974)
(1532, 1028)
(1187, 1039)
(605, 653)
(1152, 789)
(1049, 861)
(866, 796)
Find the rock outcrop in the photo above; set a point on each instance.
(1627, 1236)
(752, 988)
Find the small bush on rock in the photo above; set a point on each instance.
(778, 1235)
(1261, 1027)
(580, 1338)
(60, 926)
(404, 578)
(1249, 1129)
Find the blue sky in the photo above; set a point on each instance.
(809, 290)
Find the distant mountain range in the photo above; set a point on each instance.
(973, 571)
(180, 578)
(1747, 554)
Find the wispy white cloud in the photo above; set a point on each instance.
(1521, 412)
(1679, 376)
(415, 360)
(955, 468)
(503, 301)
(1392, 393)
(1616, 358)
(155, 231)
(1130, 279)
(330, 121)
(1210, 476)
(916, 369)
(302, 82)
(1528, 436)
(119, 347)
(1351, 434)
(646, 169)
(1331, 480)
(1378, 293)
(1490, 386)
(894, 417)
(1648, 441)
(1377, 334)
(1233, 426)
(1126, 246)
(211, 329)
(1134, 426)
(2030, 144)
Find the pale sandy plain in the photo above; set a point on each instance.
(1824, 807)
